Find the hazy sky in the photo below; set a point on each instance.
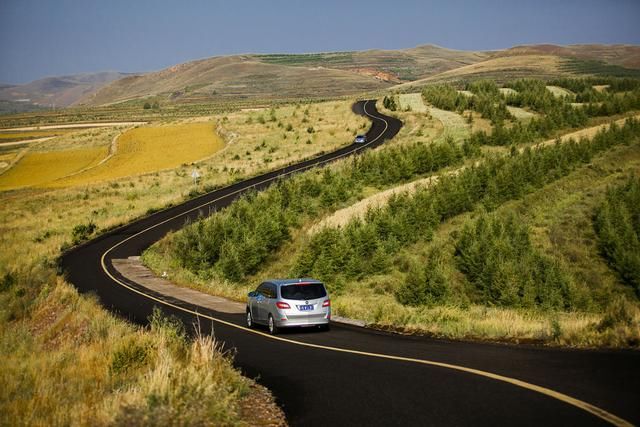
(46, 37)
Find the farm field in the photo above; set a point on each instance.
(52, 210)
(43, 168)
(15, 136)
(152, 148)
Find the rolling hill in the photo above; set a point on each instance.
(287, 75)
(627, 56)
(323, 75)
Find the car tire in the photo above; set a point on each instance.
(326, 327)
(249, 319)
(271, 324)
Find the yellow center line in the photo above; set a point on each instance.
(598, 412)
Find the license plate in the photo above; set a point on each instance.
(305, 307)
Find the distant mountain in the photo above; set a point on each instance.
(322, 75)
(313, 75)
(60, 91)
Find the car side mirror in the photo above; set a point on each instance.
(252, 294)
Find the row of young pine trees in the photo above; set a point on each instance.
(238, 241)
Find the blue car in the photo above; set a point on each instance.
(360, 139)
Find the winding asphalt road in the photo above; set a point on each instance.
(356, 376)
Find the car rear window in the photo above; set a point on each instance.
(303, 291)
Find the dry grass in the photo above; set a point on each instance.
(455, 126)
(506, 91)
(359, 209)
(262, 139)
(416, 126)
(72, 363)
(588, 133)
(559, 92)
(466, 93)
(601, 88)
(44, 218)
(520, 113)
(412, 102)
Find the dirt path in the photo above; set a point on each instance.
(77, 126)
(27, 141)
(587, 132)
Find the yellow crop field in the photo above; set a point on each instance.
(40, 168)
(152, 148)
(10, 136)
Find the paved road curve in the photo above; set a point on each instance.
(353, 376)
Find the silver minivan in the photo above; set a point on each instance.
(289, 302)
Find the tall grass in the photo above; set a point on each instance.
(68, 362)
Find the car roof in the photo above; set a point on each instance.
(281, 282)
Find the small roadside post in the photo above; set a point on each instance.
(195, 175)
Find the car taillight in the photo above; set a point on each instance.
(281, 304)
(327, 303)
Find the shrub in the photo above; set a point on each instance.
(425, 285)
(617, 224)
(129, 355)
(82, 232)
(498, 258)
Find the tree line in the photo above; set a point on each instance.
(367, 246)
(237, 241)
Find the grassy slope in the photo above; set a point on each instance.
(236, 77)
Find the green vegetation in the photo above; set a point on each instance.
(367, 247)
(557, 113)
(617, 224)
(499, 260)
(390, 103)
(598, 68)
(236, 241)
(445, 97)
(307, 59)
